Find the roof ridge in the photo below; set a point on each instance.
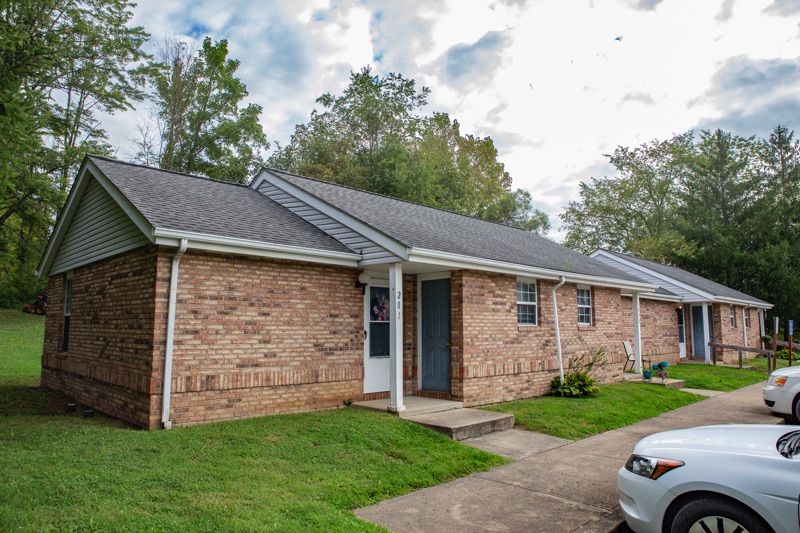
(184, 174)
(403, 200)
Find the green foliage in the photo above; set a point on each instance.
(302, 472)
(720, 206)
(578, 381)
(784, 354)
(203, 128)
(60, 62)
(374, 137)
(634, 211)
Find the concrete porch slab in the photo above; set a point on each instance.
(414, 406)
(463, 424)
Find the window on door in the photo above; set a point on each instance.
(379, 321)
(584, 306)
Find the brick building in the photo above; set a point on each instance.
(731, 317)
(176, 300)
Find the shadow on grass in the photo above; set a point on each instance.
(27, 401)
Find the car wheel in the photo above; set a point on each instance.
(795, 418)
(716, 515)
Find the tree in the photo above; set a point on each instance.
(718, 190)
(634, 211)
(373, 137)
(203, 129)
(60, 62)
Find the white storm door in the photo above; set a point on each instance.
(681, 334)
(376, 338)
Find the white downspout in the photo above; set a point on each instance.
(637, 333)
(561, 282)
(173, 296)
(706, 333)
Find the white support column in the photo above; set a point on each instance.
(396, 339)
(706, 336)
(637, 334)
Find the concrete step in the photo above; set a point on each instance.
(670, 383)
(460, 424)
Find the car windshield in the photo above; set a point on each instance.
(789, 444)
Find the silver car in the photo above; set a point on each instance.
(782, 393)
(731, 479)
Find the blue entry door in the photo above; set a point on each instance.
(698, 335)
(435, 335)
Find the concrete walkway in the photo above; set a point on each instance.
(554, 485)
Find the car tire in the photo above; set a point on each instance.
(716, 514)
(795, 417)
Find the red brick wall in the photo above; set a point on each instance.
(734, 335)
(658, 326)
(256, 336)
(496, 360)
(108, 365)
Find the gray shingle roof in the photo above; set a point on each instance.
(424, 227)
(182, 202)
(693, 280)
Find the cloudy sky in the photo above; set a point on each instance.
(555, 84)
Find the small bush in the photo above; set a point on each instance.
(784, 354)
(578, 381)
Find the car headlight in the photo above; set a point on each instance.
(651, 467)
(777, 381)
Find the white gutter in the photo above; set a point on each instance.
(173, 296)
(558, 333)
(216, 243)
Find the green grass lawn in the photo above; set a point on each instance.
(303, 472)
(721, 378)
(617, 405)
(760, 363)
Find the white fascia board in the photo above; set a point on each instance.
(654, 296)
(87, 171)
(744, 303)
(214, 243)
(702, 294)
(395, 247)
(450, 260)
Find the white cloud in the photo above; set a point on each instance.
(549, 81)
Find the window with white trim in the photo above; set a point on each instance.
(526, 303)
(747, 318)
(584, 306)
(733, 316)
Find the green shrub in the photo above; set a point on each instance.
(784, 354)
(578, 381)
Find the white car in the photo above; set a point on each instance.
(782, 393)
(734, 478)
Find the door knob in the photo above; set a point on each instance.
(449, 344)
